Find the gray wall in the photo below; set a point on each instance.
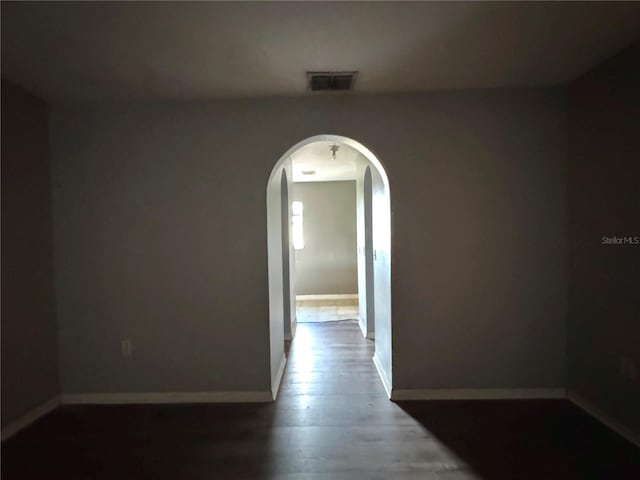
(29, 345)
(327, 263)
(604, 200)
(160, 230)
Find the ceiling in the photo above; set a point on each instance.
(195, 50)
(316, 157)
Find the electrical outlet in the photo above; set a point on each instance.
(627, 368)
(126, 348)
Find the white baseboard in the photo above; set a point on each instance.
(383, 376)
(292, 333)
(275, 386)
(31, 416)
(164, 397)
(258, 397)
(363, 327)
(478, 394)
(363, 330)
(603, 417)
(345, 296)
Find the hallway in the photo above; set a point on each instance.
(342, 423)
(332, 421)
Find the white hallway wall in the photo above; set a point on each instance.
(365, 246)
(160, 236)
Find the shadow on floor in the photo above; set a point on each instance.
(527, 439)
(146, 442)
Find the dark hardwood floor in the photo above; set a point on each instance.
(332, 420)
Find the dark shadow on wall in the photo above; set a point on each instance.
(29, 336)
(604, 238)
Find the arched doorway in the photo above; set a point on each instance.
(376, 279)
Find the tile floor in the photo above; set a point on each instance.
(330, 310)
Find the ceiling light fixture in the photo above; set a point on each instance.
(334, 149)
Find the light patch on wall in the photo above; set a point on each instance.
(297, 231)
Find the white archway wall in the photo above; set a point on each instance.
(381, 275)
(381, 239)
(365, 247)
(278, 328)
(288, 263)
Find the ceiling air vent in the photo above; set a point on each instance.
(331, 81)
